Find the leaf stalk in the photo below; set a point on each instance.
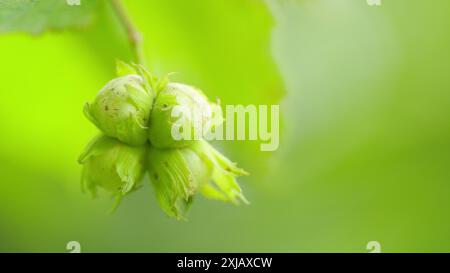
(135, 38)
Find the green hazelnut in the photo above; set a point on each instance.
(112, 165)
(178, 174)
(122, 108)
(179, 116)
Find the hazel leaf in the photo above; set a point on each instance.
(37, 16)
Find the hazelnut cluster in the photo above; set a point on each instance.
(135, 114)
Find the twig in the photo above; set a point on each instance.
(134, 36)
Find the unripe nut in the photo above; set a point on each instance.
(121, 109)
(194, 112)
(112, 165)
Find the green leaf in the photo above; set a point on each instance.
(36, 16)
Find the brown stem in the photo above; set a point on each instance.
(134, 36)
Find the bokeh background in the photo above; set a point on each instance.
(365, 148)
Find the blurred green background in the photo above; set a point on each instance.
(365, 148)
